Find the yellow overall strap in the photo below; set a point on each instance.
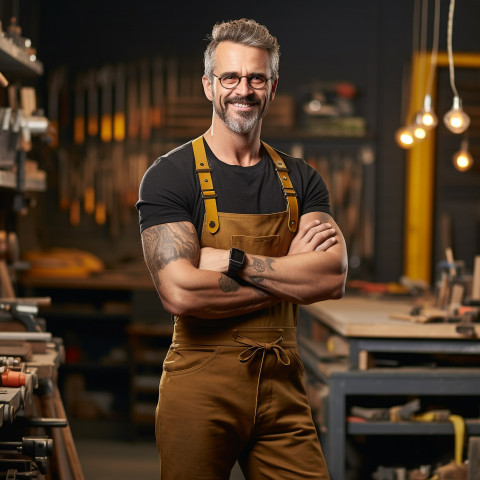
(288, 189)
(208, 193)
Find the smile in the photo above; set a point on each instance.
(243, 105)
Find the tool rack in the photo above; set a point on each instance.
(352, 378)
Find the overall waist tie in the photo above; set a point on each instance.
(254, 347)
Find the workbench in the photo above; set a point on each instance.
(366, 327)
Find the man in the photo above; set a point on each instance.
(235, 235)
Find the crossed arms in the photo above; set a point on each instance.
(192, 280)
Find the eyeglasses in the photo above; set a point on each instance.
(231, 81)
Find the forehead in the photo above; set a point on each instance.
(234, 57)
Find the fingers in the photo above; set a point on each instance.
(320, 233)
(313, 236)
(326, 244)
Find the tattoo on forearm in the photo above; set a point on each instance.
(270, 261)
(227, 284)
(166, 243)
(260, 266)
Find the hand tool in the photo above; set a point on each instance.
(393, 414)
(103, 178)
(157, 117)
(119, 183)
(38, 448)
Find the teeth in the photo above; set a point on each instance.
(241, 104)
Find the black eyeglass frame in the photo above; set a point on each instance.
(239, 77)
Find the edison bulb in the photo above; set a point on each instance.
(427, 117)
(419, 132)
(429, 120)
(462, 161)
(405, 137)
(456, 120)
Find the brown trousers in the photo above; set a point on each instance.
(242, 399)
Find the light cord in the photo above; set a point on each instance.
(433, 57)
(449, 47)
(423, 38)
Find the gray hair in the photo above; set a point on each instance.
(246, 32)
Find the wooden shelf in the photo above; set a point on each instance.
(16, 61)
(409, 428)
(8, 179)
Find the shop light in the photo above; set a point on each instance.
(456, 120)
(405, 137)
(463, 160)
(419, 131)
(426, 117)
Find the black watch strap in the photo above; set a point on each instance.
(236, 261)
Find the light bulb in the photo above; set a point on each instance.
(419, 131)
(462, 160)
(456, 120)
(426, 117)
(405, 137)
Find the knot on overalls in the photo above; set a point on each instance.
(254, 347)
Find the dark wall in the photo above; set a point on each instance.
(368, 43)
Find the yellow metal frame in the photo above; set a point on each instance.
(420, 170)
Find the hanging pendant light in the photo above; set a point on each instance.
(405, 137)
(456, 120)
(463, 160)
(426, 117)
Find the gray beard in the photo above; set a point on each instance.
(243, 124)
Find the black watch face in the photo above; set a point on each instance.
(237, 255)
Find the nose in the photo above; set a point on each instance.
(244, 87)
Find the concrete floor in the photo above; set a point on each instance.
(109, 460)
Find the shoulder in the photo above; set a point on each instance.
(177, 158)
(176, 165)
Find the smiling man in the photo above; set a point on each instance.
(236, 235)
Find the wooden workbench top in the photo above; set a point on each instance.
(357, 316)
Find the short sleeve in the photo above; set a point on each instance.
(165, 193)
(316, 197)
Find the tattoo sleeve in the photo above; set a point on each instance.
(166, 243)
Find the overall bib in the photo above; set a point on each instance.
(233, 389)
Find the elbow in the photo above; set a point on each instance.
(176, 301)
(338, 292)
(331, 288)
(338, 283)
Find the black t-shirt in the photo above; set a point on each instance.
(170, 189)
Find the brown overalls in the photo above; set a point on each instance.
(233, 389)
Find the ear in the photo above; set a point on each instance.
(207, 88)
(274, 89)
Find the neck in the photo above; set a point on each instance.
(234, 148)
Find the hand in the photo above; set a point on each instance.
(315, 236)
(214, 259)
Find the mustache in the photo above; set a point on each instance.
(251, 98)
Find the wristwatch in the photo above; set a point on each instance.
(236, 262)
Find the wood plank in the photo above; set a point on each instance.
(365, 317)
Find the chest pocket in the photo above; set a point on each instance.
(258, 245)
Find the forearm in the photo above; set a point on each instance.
(208, 294)
(303, 278)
